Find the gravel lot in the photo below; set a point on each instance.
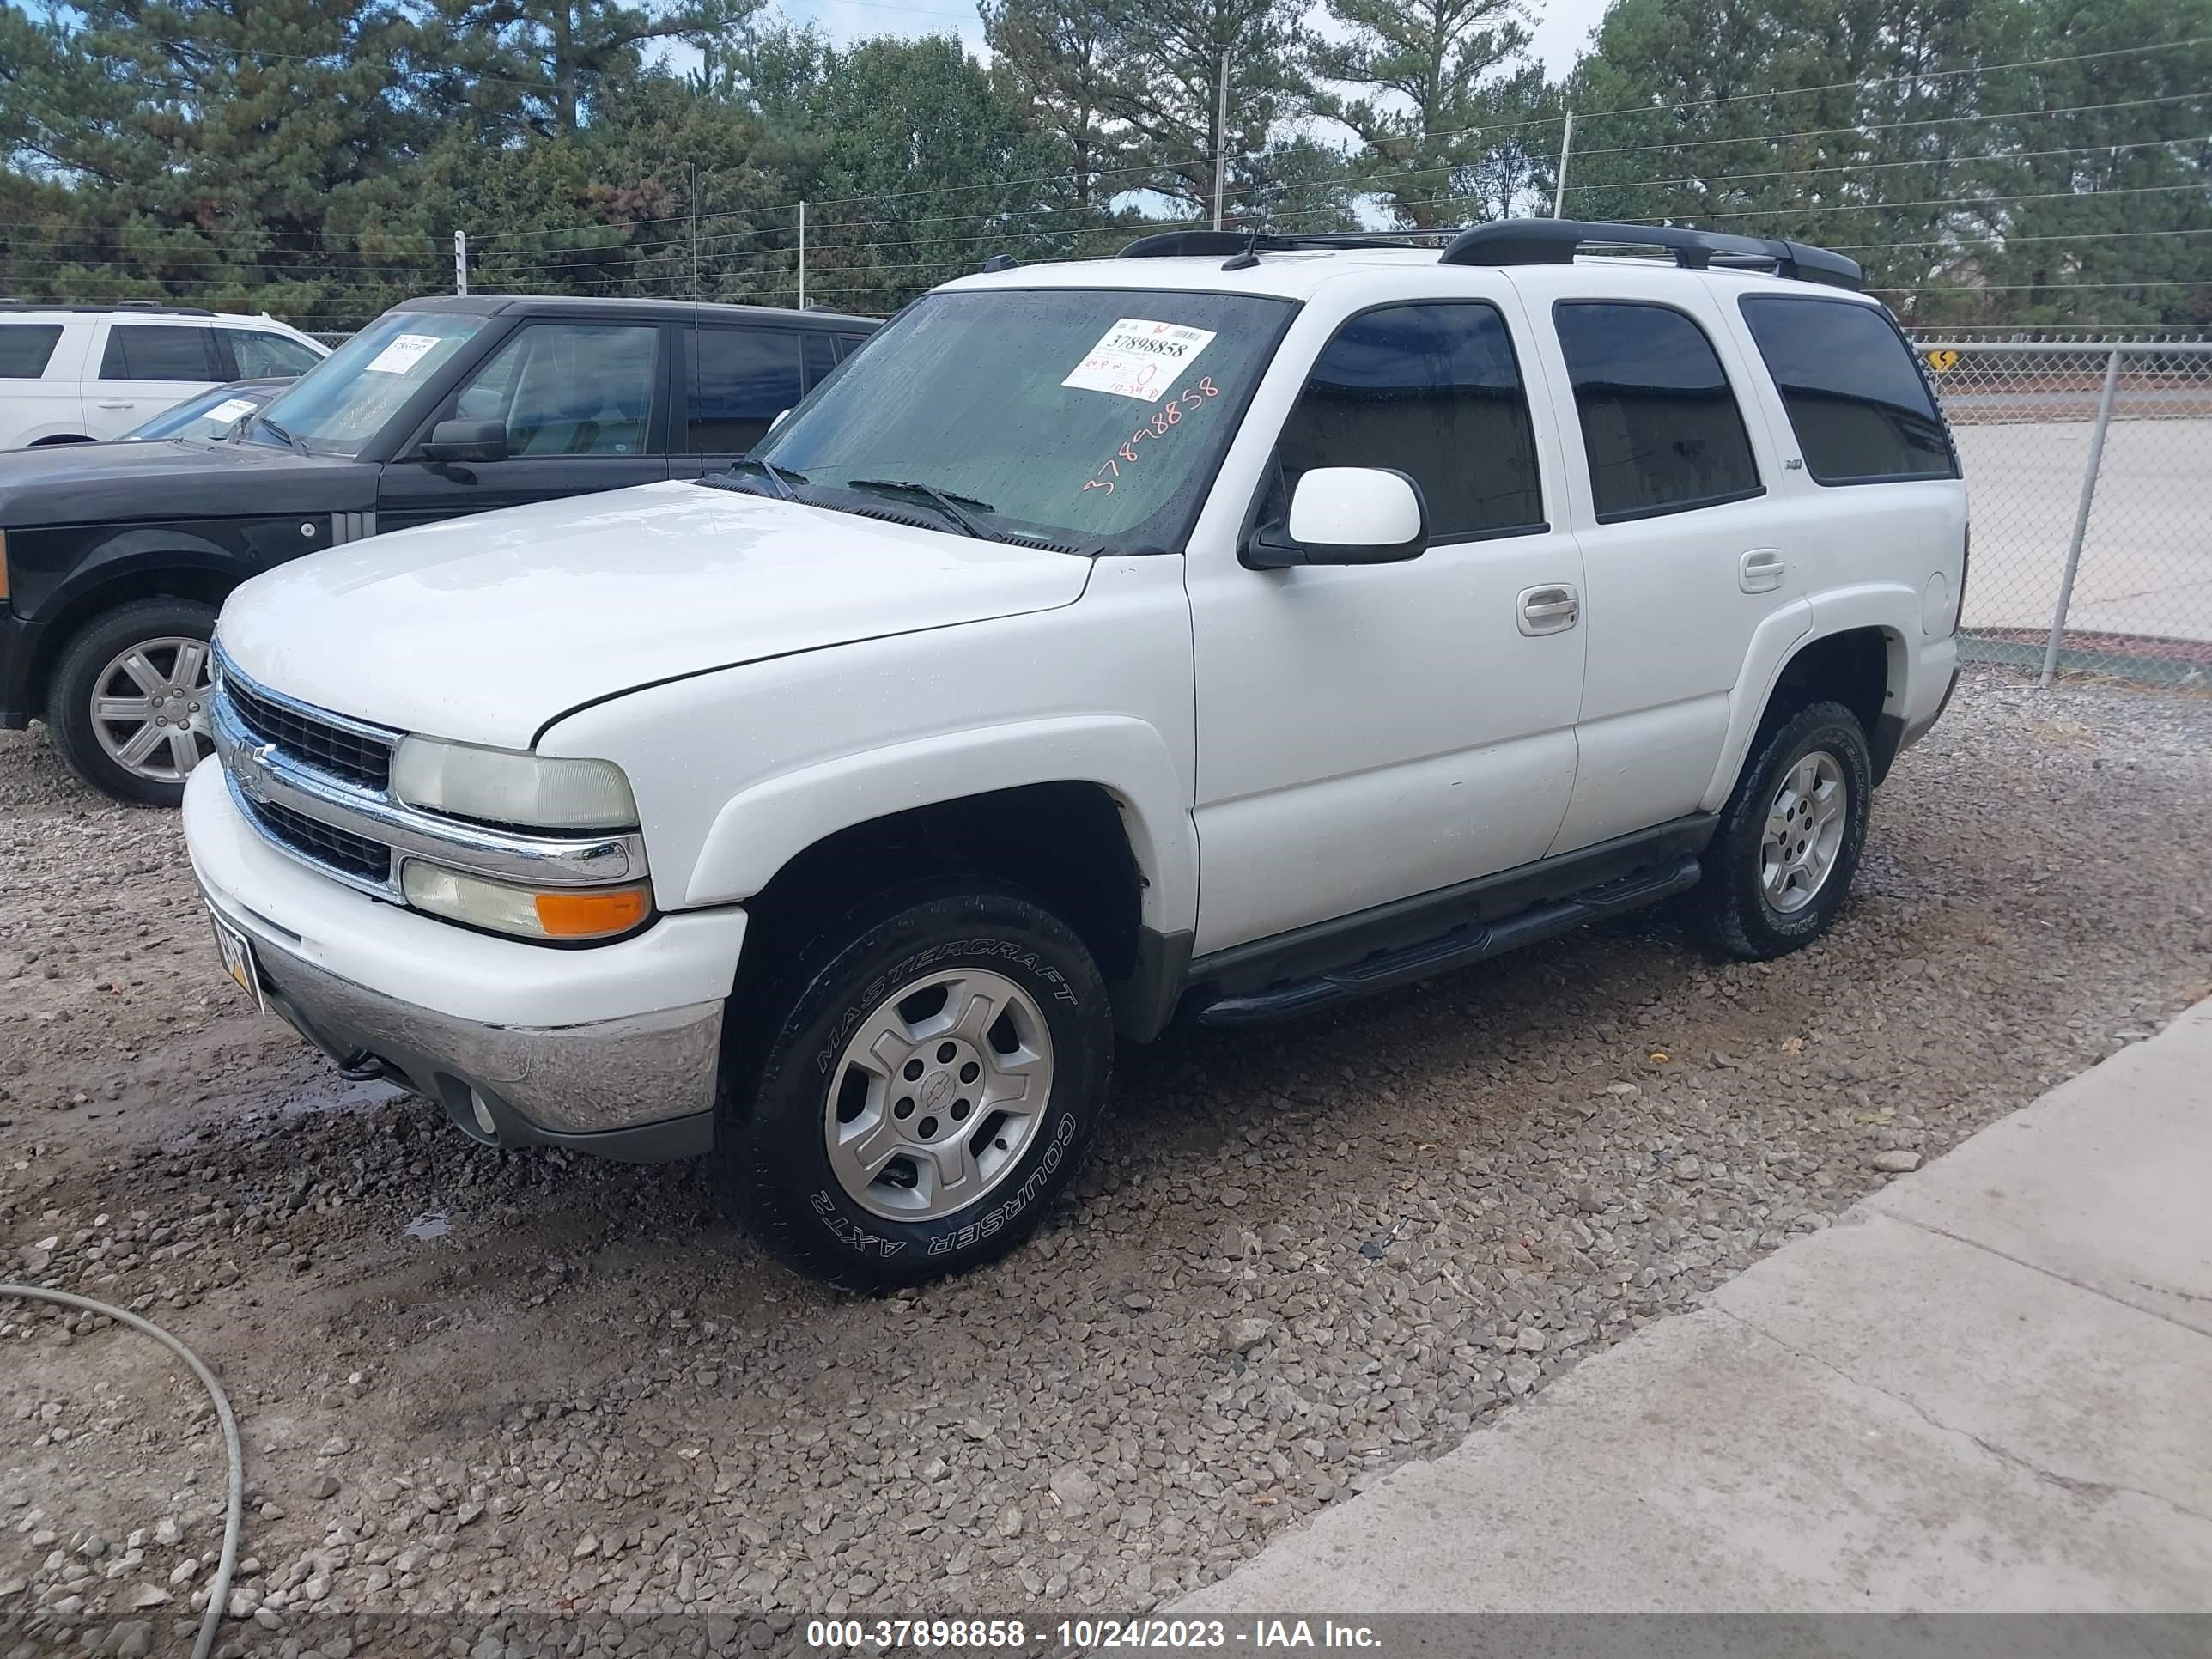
(472, 1381)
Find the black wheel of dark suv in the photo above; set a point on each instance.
(940, 1060)
(128, 701)
(1780, 865)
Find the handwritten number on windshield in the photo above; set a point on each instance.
(1170, 416)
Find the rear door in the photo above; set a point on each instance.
(142, 369)
(584, 405)
(1690, 563)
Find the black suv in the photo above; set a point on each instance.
(114, 558)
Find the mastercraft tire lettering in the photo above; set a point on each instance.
(940, 1061)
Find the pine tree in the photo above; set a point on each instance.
(1428, 94)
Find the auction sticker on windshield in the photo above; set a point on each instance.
(1138, 358)
(402, 354)
(231, 408)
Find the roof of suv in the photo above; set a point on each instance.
(1298, 274)
(20, 310)
(658, 311)
(1296, 263)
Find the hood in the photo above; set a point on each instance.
(172, 479)
(483, 629)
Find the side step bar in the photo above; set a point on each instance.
(1460, 948)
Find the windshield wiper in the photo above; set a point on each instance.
(267, 425)
(941, 500)
(779, 478)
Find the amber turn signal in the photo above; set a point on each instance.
(592, 914)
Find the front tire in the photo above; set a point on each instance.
(1780, 865)
(939, 1064)
(128, 702)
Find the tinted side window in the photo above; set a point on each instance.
(263, 356)
(159, 351)
(25, 348)
(821, 358)
(1661, 427)
(741, 379)
(1859, 410)
(1432, 391)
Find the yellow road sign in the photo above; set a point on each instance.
(1941, 360)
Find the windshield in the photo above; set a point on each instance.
(1093, 417)
(211, 415)
(343, 401)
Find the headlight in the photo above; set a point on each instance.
(575, 915)
(505, 786)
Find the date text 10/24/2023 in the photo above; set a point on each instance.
(1093, 1635)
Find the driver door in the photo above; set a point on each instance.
(1373, 732)
(585, 409)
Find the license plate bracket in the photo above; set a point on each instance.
(236, 950)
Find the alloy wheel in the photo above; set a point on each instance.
(149, 708)
(937, 1094)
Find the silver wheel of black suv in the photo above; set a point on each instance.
(127, 705)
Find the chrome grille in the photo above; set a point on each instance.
(357, 757)
(316, 786)
(324, 843)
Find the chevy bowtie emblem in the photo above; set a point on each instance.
(247, 766)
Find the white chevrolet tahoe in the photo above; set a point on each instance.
(1219, 632)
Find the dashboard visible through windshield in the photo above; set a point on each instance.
(1089, 417)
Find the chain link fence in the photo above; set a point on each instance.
(2089, 463)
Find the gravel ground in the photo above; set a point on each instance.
(472, 1381)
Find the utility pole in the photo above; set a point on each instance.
(802, 255)
(1221, 141)
(461, 263)
(1566, 148)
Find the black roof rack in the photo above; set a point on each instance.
(1207, 244)
(155, 306)
(1523, 242)
(1556, 242)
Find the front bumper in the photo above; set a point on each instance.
(17, 638)
(614, 1050)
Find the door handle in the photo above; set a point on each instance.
(1761, 570)
(118, 405)
(1551, 609)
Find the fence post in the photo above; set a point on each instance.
(461, 263)
(802, 255)
(2081, 514)
(1566, 148)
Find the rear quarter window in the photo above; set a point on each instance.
(25, 349)
(1859, 410)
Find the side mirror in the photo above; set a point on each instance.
(466, 441)
(1347, 516)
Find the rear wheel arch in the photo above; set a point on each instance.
(1862, 668)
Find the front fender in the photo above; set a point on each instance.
(57, 569)
(769, 823)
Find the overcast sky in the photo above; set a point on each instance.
(1563, 32)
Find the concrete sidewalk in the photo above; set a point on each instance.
(1987, 1389)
